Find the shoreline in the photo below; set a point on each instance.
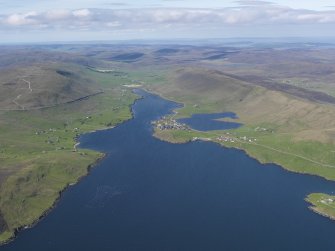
(54, 205)
(283, 168)
(250, 155)
(60, 193)
(245, 152)
(235, 147)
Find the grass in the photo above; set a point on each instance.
(37, 155)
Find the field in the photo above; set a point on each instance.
(284, 97)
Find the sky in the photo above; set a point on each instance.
(98, 20)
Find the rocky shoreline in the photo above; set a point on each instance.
(315, 210)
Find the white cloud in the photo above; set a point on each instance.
(21, 19)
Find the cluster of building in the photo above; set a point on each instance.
(225, 139)
(327, 201)
(228, 138)
(170, 124)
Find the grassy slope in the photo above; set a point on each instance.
(37, 158)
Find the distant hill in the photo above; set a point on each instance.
(128, 57)
(166, 51)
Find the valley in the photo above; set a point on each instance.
(283, 96)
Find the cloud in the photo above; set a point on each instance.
(21, 19)
(81, 13)
(45, 19)
(57, 14)
(253, 2)
(248, 13)
(113, 24)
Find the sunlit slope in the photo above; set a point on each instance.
(212, 91)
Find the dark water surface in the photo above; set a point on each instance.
(209, 122)
(152, 195)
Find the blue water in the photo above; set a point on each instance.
(208, 122)
(153, 195)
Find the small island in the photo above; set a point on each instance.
(322, 204)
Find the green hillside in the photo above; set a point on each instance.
(38, 157)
